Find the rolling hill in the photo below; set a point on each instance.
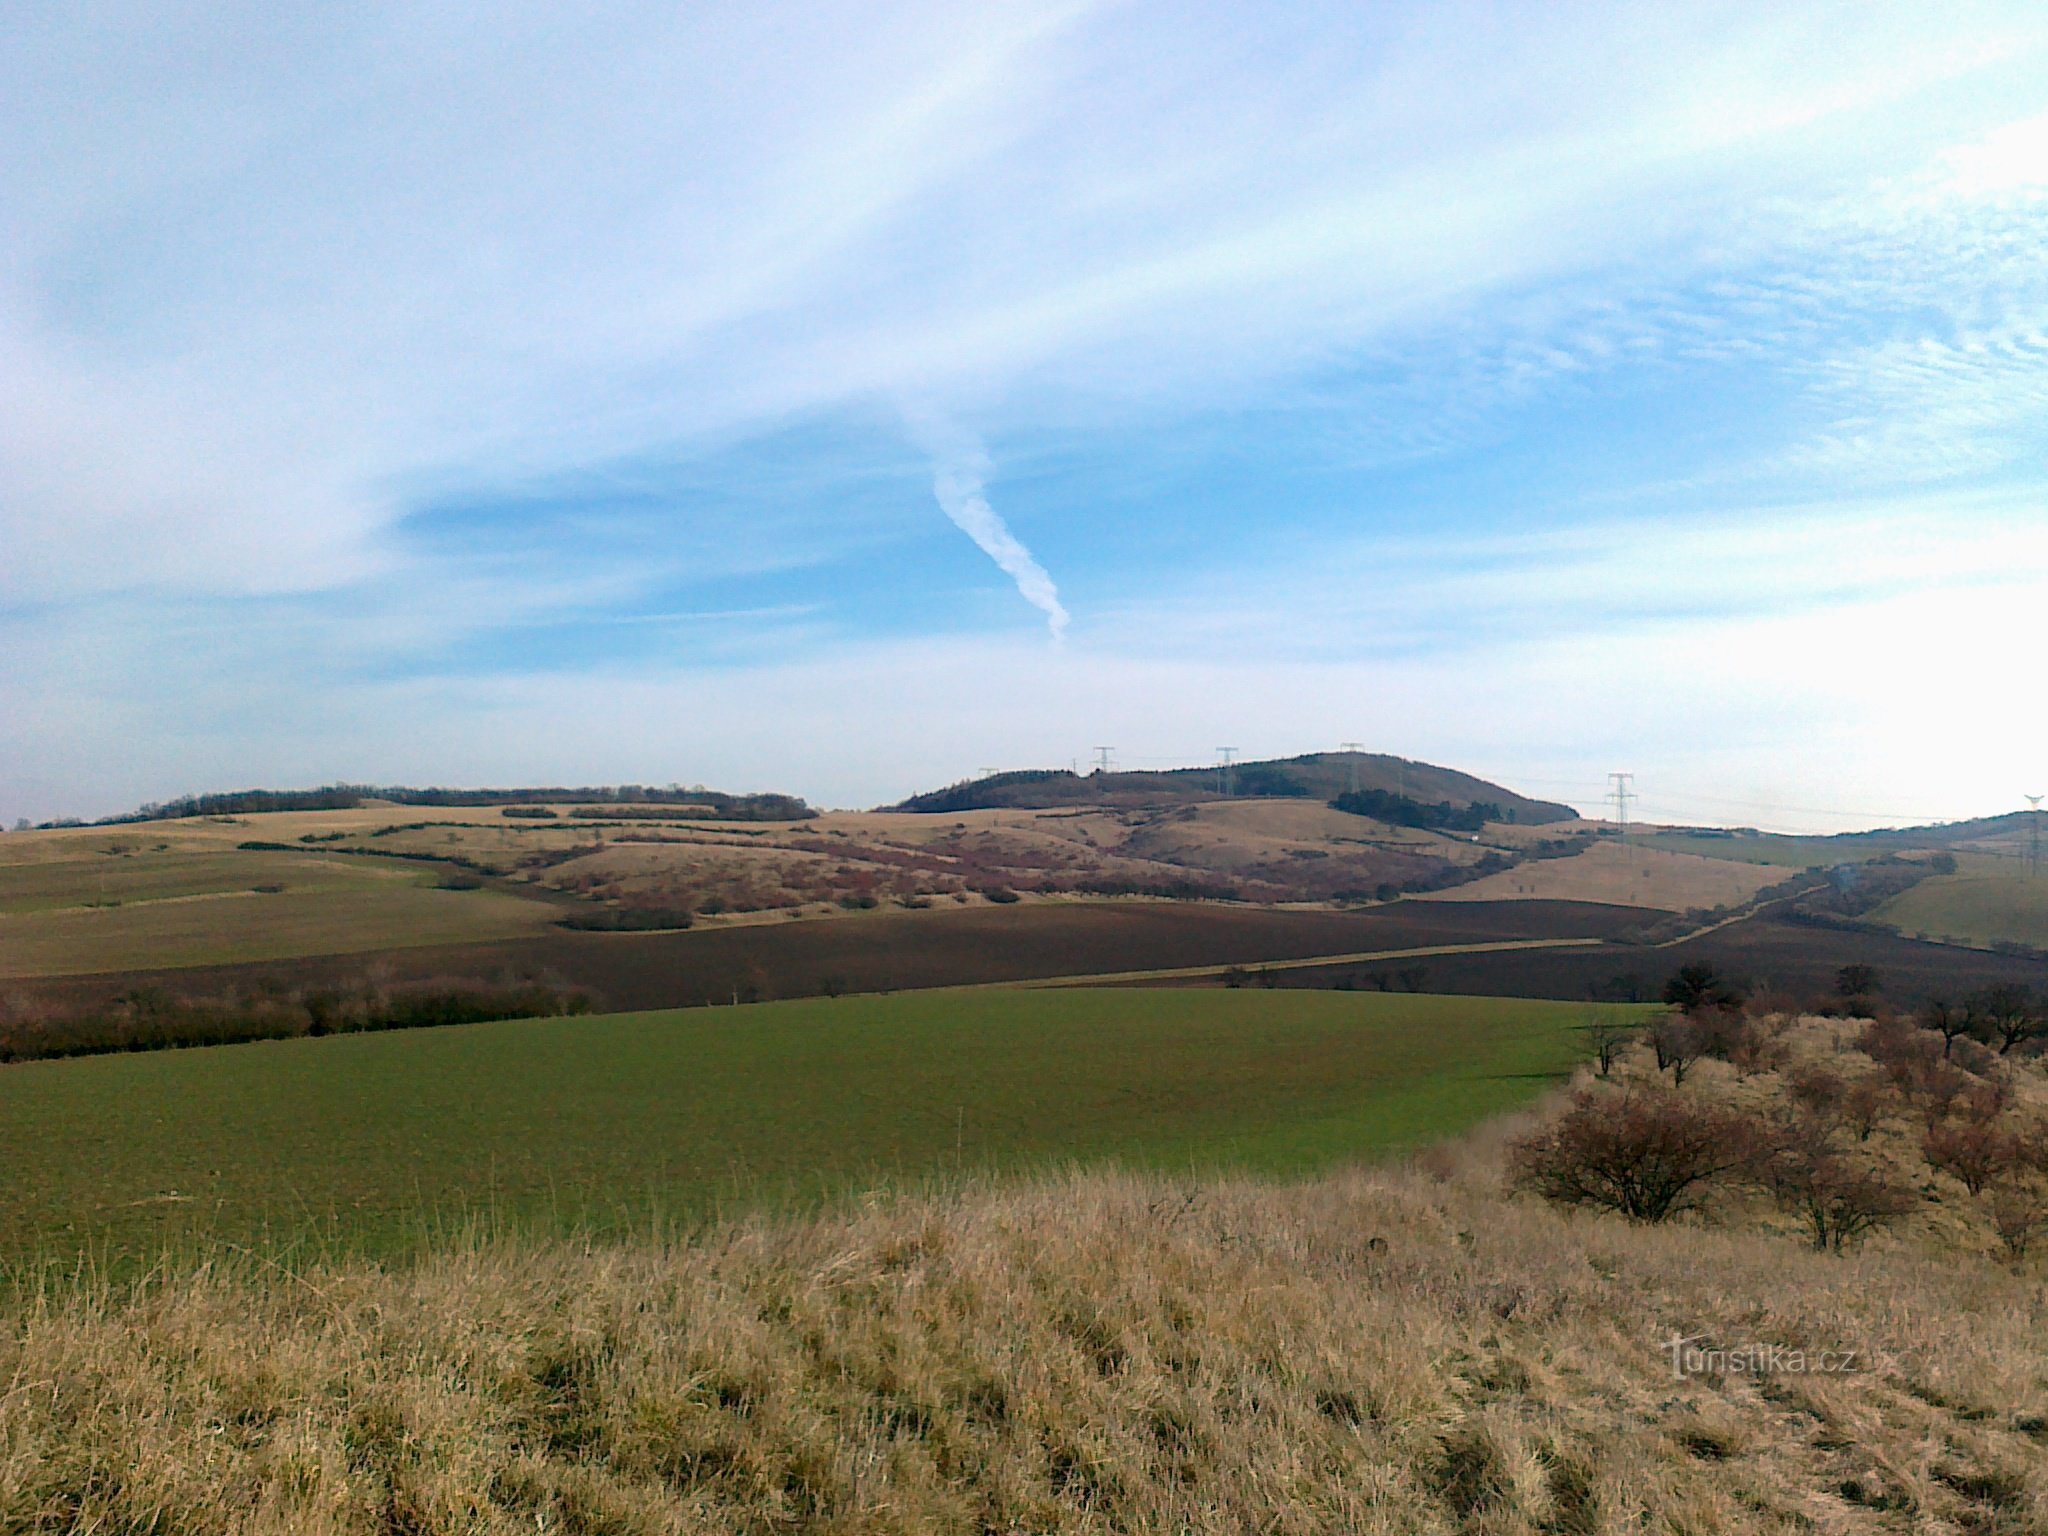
(1316, 775)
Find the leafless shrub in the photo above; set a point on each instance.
(1949, 1020)
(1679, 1042)
(1857, 1100)
(1609, 1037)
(2008, 1014)
(1838, 1195)
(2018, 1210)
(1974, 1152)
(1647, 1153)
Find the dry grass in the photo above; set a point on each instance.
(1985, 901)
(1635, 877)
(1375, 1351)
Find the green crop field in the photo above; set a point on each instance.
(371, 1140)
(1987, 899)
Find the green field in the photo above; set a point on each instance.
(371, 1140)
(1987, 899)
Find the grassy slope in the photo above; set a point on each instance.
(307, 918)
(1374, 1352)
(1636, 876)
(1985, 900)
(1770, 848)
(191, 900)
(605, 1120)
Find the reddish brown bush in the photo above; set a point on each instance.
(2018, 1209)
(1647, 1153)
(1840, 1197)
(1975, 1152)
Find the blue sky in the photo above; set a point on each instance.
(841, 399)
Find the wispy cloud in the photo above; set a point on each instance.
(325, 333)
(960, 469)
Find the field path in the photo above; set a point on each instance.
(1307, 962)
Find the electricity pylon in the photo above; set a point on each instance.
(1354, 748)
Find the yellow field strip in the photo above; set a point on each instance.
(1108, 978)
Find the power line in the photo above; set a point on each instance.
(1585, 786)
(1226, 773)
(1102, 758)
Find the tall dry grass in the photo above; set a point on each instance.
(1375, 1351)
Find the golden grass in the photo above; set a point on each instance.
(373, 910)
(1372, 1351)
(1635, 877)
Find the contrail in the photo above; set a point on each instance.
(957, 479)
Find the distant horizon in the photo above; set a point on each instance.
(1593, 814)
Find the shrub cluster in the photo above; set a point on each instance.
(153, 1018)
(633, 919)
(1844, 1139)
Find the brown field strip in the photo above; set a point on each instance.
(1302, 963)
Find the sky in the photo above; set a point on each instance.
(845, 399)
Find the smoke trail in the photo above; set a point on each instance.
(957, 481)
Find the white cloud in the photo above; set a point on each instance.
(271, 277)
(272, 268)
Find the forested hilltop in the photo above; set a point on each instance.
(346, 797)
(1397, 781)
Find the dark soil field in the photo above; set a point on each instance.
(1766, 953)
(889, 951)
(898, 950)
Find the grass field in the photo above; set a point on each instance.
(1768, 848)
(1984, 901)
(80, 917)
(1634, 877)
(609, 1121)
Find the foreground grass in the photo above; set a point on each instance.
(1370, 1351)
(607, 1123)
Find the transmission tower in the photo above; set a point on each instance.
(1226, 772)
(1354, 748)
(1621, 790)
(1102, 758)
(2034, 842)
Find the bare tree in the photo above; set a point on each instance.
(1949, 1021)
(1609, 1036)
(2008, 1015)
(1680, 1039)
